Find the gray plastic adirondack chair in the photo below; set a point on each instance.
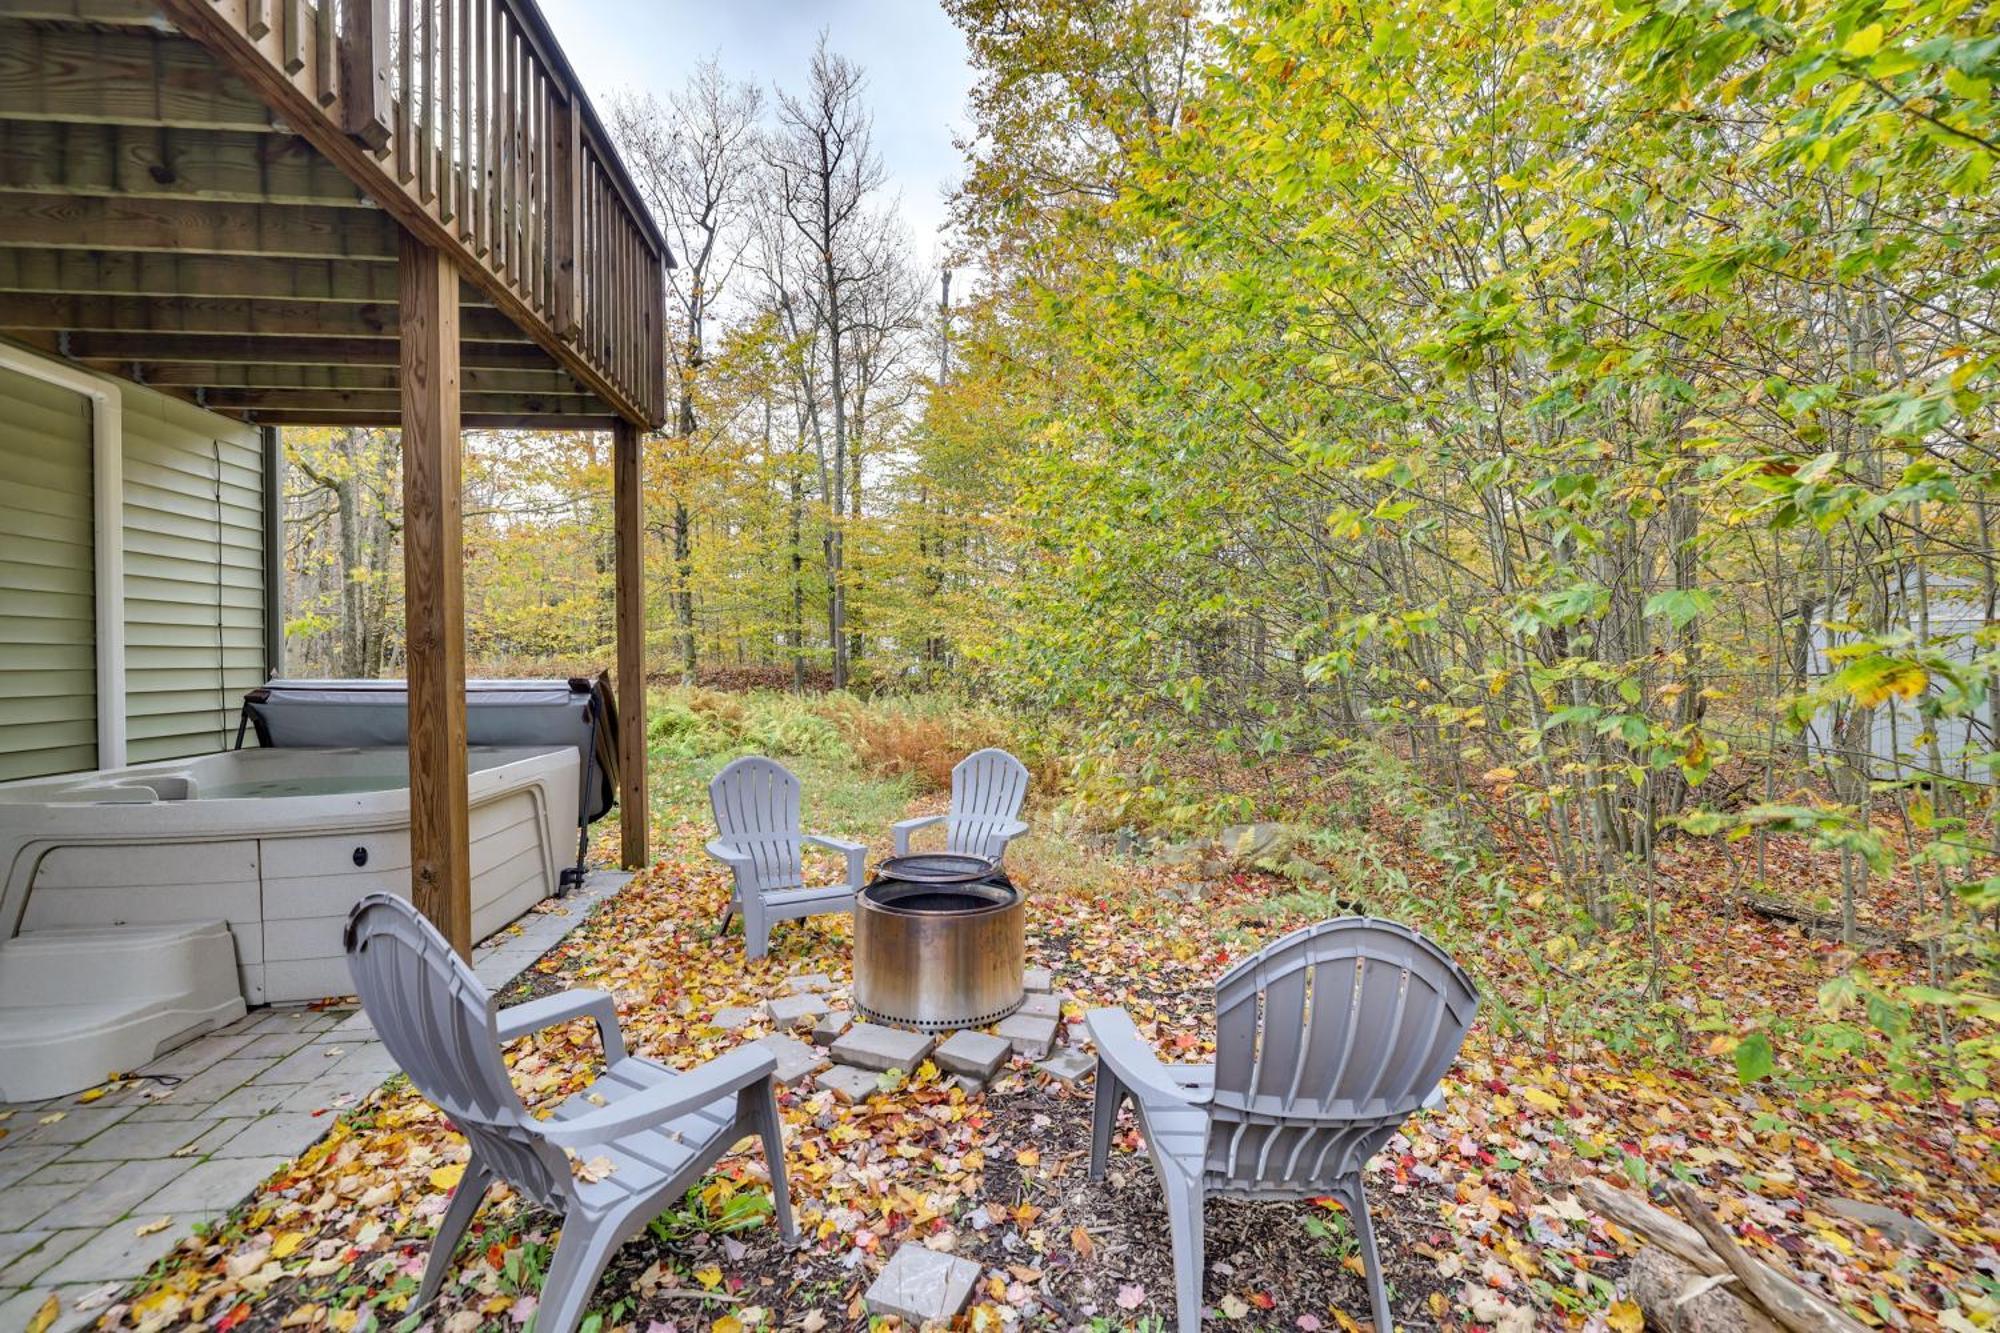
(987, 788)
(660, 1130)
(756, 804)
(1325, 1043)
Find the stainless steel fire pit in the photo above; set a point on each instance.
(936, 954)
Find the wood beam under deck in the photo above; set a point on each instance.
(91, 76)
(262, 318)
(386, 402)
(284, 231)
(627, 531)
(270, 351)
(434, 593)
(469, 420)
(542, 383)
(162, 162)
(155, 273)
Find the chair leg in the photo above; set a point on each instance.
(770, 1128)
(465, 1201)
(1104, 1118)
(728, 911)
(1356, 1198)
(581, 1253)
(1184, 1202)
(756, 929)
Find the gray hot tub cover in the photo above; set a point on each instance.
(323, 714)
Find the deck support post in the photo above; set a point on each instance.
(631, 618)
(434, 591)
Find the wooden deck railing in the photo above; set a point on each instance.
(463, 118)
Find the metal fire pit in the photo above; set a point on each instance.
(938, 953)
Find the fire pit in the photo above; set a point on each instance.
(938, 943)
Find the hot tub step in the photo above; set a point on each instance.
(78, 1004)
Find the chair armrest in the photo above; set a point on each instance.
(534, 1015)
(903, 828)
(1012, 828)
(857, 855)
(726, 854)
(1126, 1054)
(744, 1067)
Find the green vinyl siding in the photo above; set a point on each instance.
(48, 595)
(194, 576)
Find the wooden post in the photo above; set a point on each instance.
(566, 212)
(625, 519)
(364, 71)
(434, 592)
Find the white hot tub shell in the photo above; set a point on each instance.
(274, 844)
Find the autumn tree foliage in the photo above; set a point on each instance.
(1594, 403)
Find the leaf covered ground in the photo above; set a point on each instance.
(1478, 1220)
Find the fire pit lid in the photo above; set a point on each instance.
(903, 895)
(936, 868)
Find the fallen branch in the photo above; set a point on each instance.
(1675, 1297)
(1634, 1213)
(1826, 924)
(1786, 1301)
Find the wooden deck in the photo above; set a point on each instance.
(206, 196)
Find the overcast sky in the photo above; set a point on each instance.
(917, 72)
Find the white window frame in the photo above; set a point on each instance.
(107, 489)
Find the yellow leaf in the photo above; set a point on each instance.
(148, 1228)
(709, 1277)
(91, 1094)
(1537, 1098)
(1625, 1317)
(729, 1323)
(1028, 1157)
(46, 1315)
(447, 1177)
(1865, 42)
(287, 1244)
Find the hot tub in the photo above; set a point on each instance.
(275, 843)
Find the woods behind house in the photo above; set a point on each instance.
(1593, 405)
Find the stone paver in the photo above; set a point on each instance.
(829, 1028)
(113, 1253)
(975, 1054)
(848, 1083)
(122, 1191)
(1069, 1065)
(922, 1286)
(879, 1047)
(1038, 980)
(1031, 1036)
(790, 1011)
(795, 1058)
(205, 1125)
(812, 981)
(148, 1138)
(1041, 1004)
(736, 1017)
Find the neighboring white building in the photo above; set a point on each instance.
(1899, 737)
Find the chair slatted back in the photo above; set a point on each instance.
(437, 1021)
(756, 804)
(1325, 1043)
(987, 789)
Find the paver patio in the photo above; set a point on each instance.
(80, 1182)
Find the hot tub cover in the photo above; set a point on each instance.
(328, 714)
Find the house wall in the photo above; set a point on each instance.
(133, 578)
(48, 604)
(194, 575)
